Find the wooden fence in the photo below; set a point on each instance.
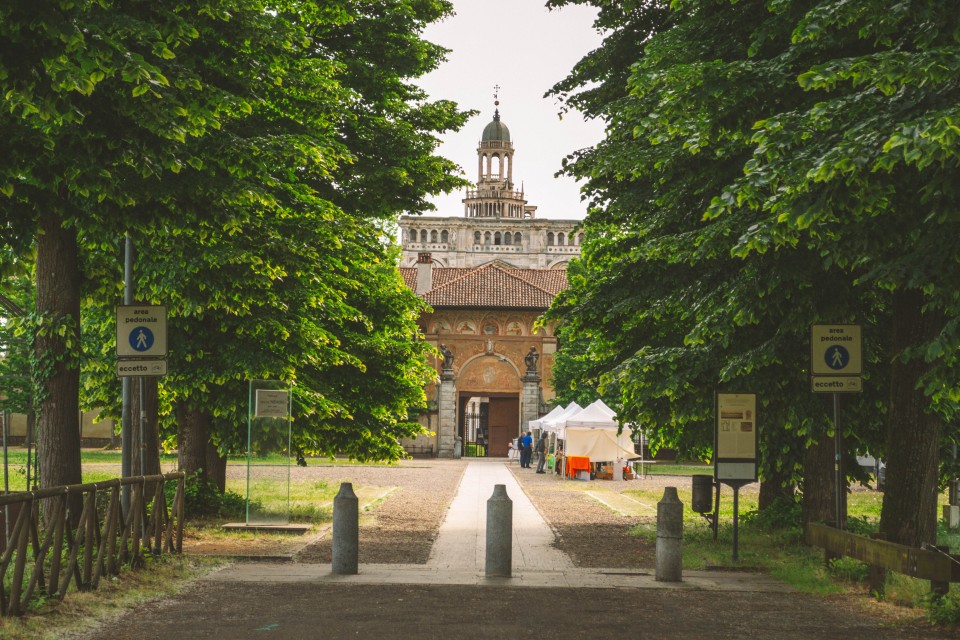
(47, 559)
(935, 565)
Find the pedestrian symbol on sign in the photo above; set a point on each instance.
(837, 357)
(141, 339)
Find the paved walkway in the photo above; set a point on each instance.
(461, 543)
(458, 556)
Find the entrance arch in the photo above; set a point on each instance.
(489, 389)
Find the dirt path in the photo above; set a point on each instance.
(401, 529)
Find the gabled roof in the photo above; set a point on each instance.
(490, 286)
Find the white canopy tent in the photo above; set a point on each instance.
(554, 413)
(592, 432)
(555, 424)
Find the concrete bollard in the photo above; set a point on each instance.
(346, 530)
(669, 536)
(499, 559)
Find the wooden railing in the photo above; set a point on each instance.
(934, 564)
(47, 559)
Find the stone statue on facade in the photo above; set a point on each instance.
(531, 360)
(447, 357)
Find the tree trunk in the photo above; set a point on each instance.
(818, 482)
(216, 467)
(150, 429)
(775, 488)
(58, 299)
(193, 432)
(909, 512)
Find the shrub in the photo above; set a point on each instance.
(945, 610)
(203, 499)
(849, 570)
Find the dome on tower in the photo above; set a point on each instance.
(496, 130)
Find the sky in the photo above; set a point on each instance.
(524, 48)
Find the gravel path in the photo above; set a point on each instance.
(401, 528)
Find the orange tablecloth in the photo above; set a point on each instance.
(577, 463)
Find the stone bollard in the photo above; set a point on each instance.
(499, 559)
(346, 530)
(669, 536)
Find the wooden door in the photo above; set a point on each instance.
(504, 420)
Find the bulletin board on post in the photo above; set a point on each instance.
(735, 441)
(269, 455)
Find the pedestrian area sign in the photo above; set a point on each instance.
(141, 331)
(836, 358)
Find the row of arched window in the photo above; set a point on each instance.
(435, 236)
(560, 239)
(423, 236)
(497, 238)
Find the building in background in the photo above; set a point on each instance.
(488, 275)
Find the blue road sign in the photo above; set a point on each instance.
(836, 357)
(141, 339)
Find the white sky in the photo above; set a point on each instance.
(526, 49)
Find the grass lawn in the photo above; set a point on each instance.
(773, 542)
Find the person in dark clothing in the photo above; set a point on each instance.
(526, 452)
(541, 450)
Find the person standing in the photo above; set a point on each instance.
(541, 450)
(526, 452)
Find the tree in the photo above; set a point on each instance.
(99, 100)
(866, 176)
(292, 280)
(669, 311)
(200, 122)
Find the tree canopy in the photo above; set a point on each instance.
(742, 193)
(258, 154)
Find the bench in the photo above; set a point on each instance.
(423, 450)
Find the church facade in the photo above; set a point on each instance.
(488, 275)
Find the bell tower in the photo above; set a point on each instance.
(495, 195)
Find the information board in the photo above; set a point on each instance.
(272, 403)
(735, 443)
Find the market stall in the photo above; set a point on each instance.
(551, 426)
(592, 433)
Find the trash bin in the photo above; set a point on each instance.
(702, 499)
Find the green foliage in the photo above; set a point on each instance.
(203, 499)
(849, 570)
(258, 156)
(945, 610)
(782, 514)
(763, 167)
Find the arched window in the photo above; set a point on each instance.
(433, 236)
(580, 239)
(413, 235)
(560, 239)
(444, 236)
(476, 237)
(550, 239)
(508, 238)
(486, 238)
(423, 236)
(516, 238)
(496, 238)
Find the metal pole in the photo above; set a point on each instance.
(126, 419)
(716, 510)
(143, 427)
(6, 481)
(837, 466)
(736, 516)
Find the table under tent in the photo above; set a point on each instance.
(588, 444)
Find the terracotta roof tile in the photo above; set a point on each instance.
(490, 286)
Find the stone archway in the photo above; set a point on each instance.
(494, 378)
